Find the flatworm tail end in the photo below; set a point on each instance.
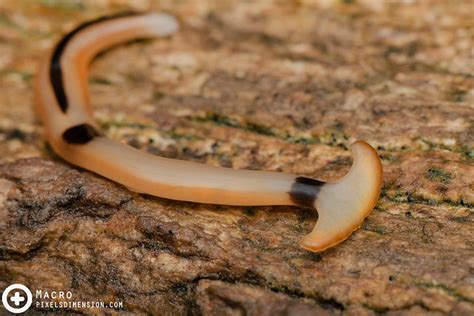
(61, 91)
(343, 205)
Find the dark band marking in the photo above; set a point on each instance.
(55, 72)
(304, 191)
(80, 134)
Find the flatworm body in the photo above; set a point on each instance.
(62, 101)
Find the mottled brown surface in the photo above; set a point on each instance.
(277, 86)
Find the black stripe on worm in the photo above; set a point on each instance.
(55, 71)
(80, 134)
(304, 191)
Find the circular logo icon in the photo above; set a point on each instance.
(21, 297)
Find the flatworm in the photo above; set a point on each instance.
(62, 100)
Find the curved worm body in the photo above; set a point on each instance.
(63, 104)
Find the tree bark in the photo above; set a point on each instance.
(251, 85)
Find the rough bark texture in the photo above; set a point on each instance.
(257, 85)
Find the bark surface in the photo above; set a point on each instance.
(283, 86)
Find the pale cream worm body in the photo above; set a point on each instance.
(63, 104)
